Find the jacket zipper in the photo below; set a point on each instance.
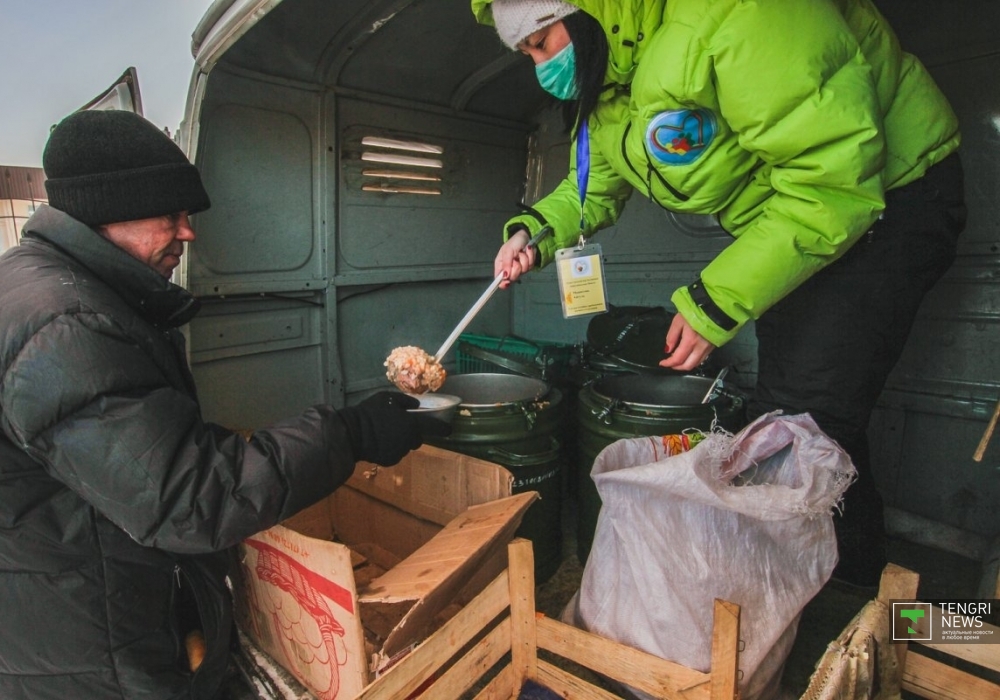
(649, 173)
(180, 649)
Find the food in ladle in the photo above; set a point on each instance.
(414, 371)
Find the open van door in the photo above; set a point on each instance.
(122, 95)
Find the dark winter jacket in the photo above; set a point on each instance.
(114, 493)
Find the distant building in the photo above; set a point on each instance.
(21, 191)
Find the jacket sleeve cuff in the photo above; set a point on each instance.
(546, 249)
(704, 316)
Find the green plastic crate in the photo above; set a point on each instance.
(512, 355)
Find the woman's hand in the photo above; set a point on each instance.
(515, 257)
(687, 349)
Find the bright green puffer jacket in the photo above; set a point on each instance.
(787, 120)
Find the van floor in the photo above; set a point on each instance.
(942, 575)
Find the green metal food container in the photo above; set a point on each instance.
(627, 406)
(515, 422)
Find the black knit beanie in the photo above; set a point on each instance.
(109, 166)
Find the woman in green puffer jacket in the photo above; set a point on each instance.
(802, 127)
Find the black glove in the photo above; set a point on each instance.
(382, 431)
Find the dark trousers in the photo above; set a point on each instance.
(827, 348)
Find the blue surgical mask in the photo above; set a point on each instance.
(557, 76)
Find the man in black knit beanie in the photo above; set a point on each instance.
(119, 503)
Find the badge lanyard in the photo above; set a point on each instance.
(582, 285)
(582, 166)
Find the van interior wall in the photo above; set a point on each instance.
(414, 254)
(312, 269)
(342, 226)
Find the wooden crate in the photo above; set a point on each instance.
(501, 623)
(864, 662)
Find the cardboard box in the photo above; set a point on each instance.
(347, 587)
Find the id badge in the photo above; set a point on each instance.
(582, 287)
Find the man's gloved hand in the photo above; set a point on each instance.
(382, 431)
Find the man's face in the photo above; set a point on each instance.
(158, 242)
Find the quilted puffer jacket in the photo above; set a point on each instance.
(115, 495)
(788, 120)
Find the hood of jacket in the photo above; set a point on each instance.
(628, 25)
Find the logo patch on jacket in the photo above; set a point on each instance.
(680, 136)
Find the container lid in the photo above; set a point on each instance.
(517, 363)
(631, 336)
(488, 389)
(677, 390)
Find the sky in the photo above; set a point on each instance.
(57, 55)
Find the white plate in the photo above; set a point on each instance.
(437, 405)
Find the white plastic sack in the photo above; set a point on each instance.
(746, 518)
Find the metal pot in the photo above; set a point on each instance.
(515, 421)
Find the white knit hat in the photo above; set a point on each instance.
(516, 20)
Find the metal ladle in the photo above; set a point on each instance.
(481, 302)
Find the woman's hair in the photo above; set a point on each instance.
(591, 47)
